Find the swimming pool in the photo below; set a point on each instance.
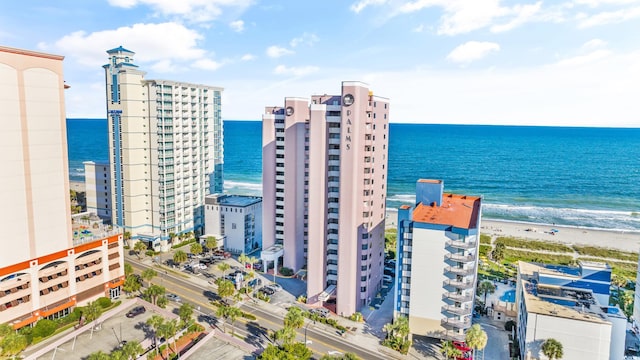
(509, 296)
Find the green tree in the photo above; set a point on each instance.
(185, 312)
(286, 335)
(196, 248)
(162, 301)
(128, 269)
(154, 292)
(148, 275)
(99, 355)
(476, 338)
(224, 267)
(172, 236)
(92, 311)
(222, 312)
(294, 318)
(390, 329)
(243, 259)
(618, 280)
(233, 313)
(299, 351)
(132, 349)
(449, 350)
(225, 288)
(131, 284)
(625, 301)
(179, 257)
(211, 243)
(167, 330)
(155, 321)
(252, 260)
(139, 248)
(13, 344)
(273, 352)
(552, 349)
(347, 356)
(485, 288)
(118, 355)
(498, 252)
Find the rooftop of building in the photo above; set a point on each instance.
(460, 211)
(30, 53)
(88, 227)
(232, 200)
(530, 269)
(119, 49)
(560, 301)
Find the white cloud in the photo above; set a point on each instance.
(278, 51)
(295, 71)
(472, 51)
(150, 42)
(306, 39)
(247, 57)
(418, 28)
(193, 10)
(237, 26)
(207, 64)
(596, 3)
(524, 14)
(585, 59)
(164, 66)
(362, 4)
(609, 17)
(593, 44)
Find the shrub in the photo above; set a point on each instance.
(286, 271)
(485, 250)
(302, 299)
(356, 317)
(104, 302)
(149, 253)
(485, 239)
(510, 325)
(249, 316)
(44, 328)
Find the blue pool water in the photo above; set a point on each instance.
(509, 296)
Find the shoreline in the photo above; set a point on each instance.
(626, 240)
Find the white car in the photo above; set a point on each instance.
(202, 266)
(173, 297)
(387, 278)
(275, 287)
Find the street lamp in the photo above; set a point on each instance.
(305, 332)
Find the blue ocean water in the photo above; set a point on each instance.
(568, 176)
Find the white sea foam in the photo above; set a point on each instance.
(249, 188)
(405, 198)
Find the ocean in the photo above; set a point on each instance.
(586, 177)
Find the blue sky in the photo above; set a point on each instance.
(563, 62)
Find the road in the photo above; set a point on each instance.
(323, 339)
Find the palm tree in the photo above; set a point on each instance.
(185, 312)
(196, 248)
(402, 326)
(222, 312)
(498, 252)
(139, 247)
(294, 318)
(252, 260)
(287, 335)
(118, 355)
(390, 329)
(131, 284)
(128, 269)
(486, 287)
(132, 349)
(243, 259)
(155, 321)
(552, 349)
(626, 302)
(211, 243)
(13, 344)
(179, 257)
(449, 350)
(167, 330)
(224, 267)
(233, 313)
(155, 291)
(172, 236)
(99, 355)
(149, 274)
(92, 311)
(225, 288)
(476, 338)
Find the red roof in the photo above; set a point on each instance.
(460, 211)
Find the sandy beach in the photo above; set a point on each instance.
(77, 186)
(621, 240)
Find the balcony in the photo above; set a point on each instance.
(460, 271)
(461, 244)
(454, 336)
(462, 311)
(461, 298)
(461, 258)
(464, 284)
(450, 323)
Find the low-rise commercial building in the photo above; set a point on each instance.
(235, 221)
(570, 305)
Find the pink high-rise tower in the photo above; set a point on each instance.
(324, 178)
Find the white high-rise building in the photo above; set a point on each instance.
(165, 143)
(97, 183)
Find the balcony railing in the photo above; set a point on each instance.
(458, 297)
(460, 271)
(459, 284)
(454, 336)
(461, 244)
(455, 323)
(457, 310)
(461, 258)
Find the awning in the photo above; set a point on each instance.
(324, 296)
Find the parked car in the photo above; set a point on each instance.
(467, 352)
(202, 266)
(136, 311)
(257, 266)
(275, 287)
(388, 271)
(387, 278)
(267, 290)
(173, 297)
(322, 312)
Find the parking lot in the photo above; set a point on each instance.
(109, 333)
